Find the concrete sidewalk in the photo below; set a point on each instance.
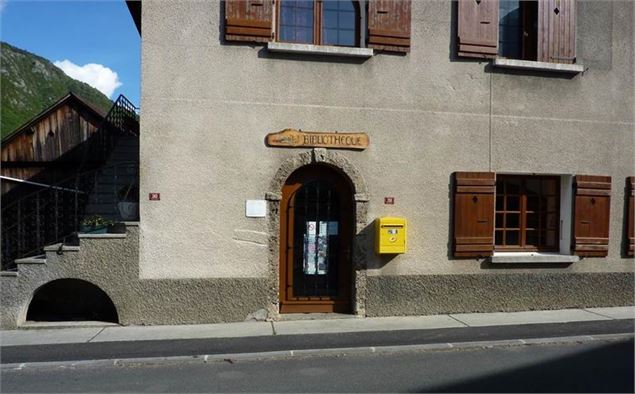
(347, 324)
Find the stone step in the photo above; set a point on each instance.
(9, 273)
(61, 247)
(40, 259)
(102, 236)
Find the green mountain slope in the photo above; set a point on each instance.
(30, 83)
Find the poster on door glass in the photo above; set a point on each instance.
(316, 248)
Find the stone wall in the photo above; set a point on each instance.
(112, 265)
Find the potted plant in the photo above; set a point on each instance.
(128, 204)
(95, 224)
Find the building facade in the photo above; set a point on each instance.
(501, 132)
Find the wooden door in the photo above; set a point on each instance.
(316, 230)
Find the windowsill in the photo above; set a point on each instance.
(532, 257)
(538, 66)
(325, 50)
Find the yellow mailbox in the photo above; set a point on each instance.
(390, 235)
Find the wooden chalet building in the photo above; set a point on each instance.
(372, 157)
(48, 148)
(60, 168)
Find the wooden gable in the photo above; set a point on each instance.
(49, 140)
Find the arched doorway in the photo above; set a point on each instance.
(317, 216)
(71, 300)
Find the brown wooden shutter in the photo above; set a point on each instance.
(630, 220)
(248, 20)
(478, 28)
(474, 197)
(591, 215)
(556, 31)
(389, 25)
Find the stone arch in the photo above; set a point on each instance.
(71, 299)
(361, 242)
(318, 156)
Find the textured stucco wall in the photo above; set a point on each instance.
(434, 294)
(207, 106)
(112, 265)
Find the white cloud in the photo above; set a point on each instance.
(96, 75)
(3, 3)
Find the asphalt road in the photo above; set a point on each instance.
(601, 366)
(187, 347)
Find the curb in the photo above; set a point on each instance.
(231, 358)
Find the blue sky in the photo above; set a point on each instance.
(83, 32)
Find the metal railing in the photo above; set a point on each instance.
(123, 116)
(54, 213)
(121, 120)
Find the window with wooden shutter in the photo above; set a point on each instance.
(248, 20)
(389, 25)
(535, 30)
(630, 219)
(474, 196)
(335, 23)
(478, 28)
(556, 31)
(527, 213)
(591, 215)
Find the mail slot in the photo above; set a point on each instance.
(390, 235)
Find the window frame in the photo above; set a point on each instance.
(522, 213)
(318, 10)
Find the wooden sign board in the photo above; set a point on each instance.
(291, 138)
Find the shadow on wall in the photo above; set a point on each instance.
(607, 368)
(373, 260)
(71, 300)
(451, 216)
(625, 240)
(490, 69)
(263, 53)
(453, 33)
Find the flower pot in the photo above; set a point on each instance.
(87, 229)
(128, 210)
(117, 228)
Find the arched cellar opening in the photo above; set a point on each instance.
(71, 300)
